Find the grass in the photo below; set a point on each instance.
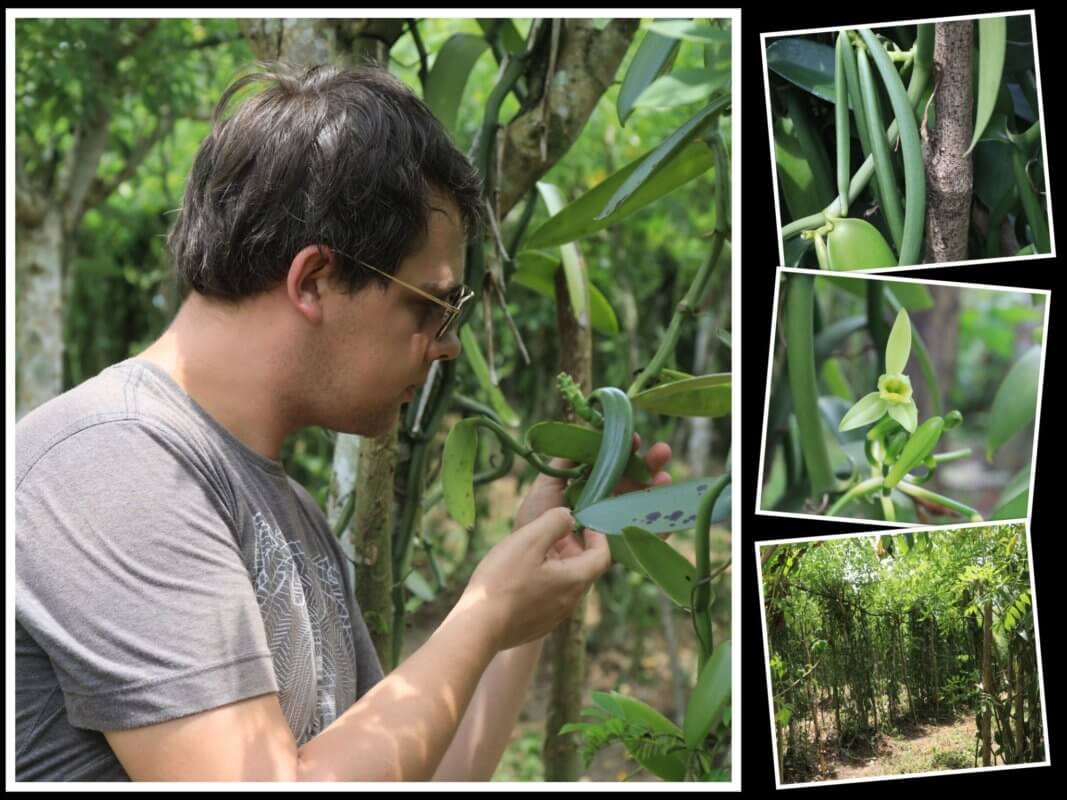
(930, 748)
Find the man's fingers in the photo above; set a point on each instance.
(561, 463)
(657, 456)
(550, 527)
(595, 559)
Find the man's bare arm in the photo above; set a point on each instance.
(401, 729)
(486, 728)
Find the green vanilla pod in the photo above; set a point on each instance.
(857, 244)
(883, 163)
(841, 122)
(615, 445)
(920, 445)
(911, 152)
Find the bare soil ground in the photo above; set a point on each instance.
(929, 746)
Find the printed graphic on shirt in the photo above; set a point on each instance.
(310, 636)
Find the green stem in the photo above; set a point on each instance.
(952, 455)
(702, 577)
(685, 309)
(919, 493)
(888, 509)
(508, 442)
(519, 232)
(483, 140)
(821, 253)
(860, 489)
(471, 406)
(414, 487)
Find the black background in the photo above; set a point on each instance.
(759, 259)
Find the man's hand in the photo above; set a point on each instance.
(547, 492)
(520, 592)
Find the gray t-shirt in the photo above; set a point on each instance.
(165, 568)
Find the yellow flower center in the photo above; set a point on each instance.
(895, 389)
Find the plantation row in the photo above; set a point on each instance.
(877, 634)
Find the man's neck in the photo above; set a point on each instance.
(235, 366)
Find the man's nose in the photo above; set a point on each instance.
(446, 348)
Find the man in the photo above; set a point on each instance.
(181, 607)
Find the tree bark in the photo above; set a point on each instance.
(371, 534)
(949, 173)
(39, 250)
(585, 67)
(345, 42)
(566, 645)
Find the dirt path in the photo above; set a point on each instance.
(929, 747)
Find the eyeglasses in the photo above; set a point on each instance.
(457, 298)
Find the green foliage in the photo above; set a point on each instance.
(656, 743)
(135, 77)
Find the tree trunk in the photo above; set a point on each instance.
(371, 535)
(949, 173)
(812, 689)
(698, 447)
(585, 67)
(987, 684)
(932, 629)
(566, 645)
(39, 310)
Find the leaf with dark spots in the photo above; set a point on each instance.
(613, 514)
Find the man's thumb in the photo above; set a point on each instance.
(550, 527)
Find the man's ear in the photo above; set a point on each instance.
(309, 276)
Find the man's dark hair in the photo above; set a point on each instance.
(343, 158)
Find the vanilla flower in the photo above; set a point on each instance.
(894, 395)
